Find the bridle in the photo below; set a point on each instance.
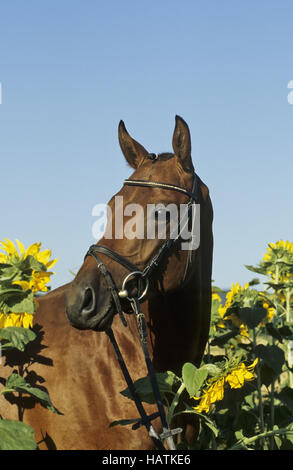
(143, 277)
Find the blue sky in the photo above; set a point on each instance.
(70, 70)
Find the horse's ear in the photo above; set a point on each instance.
(182, 143)
(132, 150)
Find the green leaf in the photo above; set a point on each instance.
(273, 356)
(249, 400)
(277, 439)
(25, 304)
(143, 386)
(208, 421)
(222, 339)
(267, 374)
(286, 396)
(7, 289)
(16, 300)
(273, 285)
(123, 422)
(289, 435)
(18, 384)
(8, 272)
(212, 427)
(274, 332)
(193, 378)
(252, 316)
(254, 269)
(4, 265)
(20, 269)
(215, 310)
(25, 266)
(211, 368)
(286, 330)
(16, 435)
(17, 336)
(30, 263)
(239, 435)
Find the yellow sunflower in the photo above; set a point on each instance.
(241, 374)
(40, 279)
(230, 296)
(24, 320)
(214, 393)
(37, 283)
(285, 245)
(236, 378)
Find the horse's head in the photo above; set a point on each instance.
(142, 214)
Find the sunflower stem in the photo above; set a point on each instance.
(289, 343)
(272, 392)
(258, 384)
(250, 440)
(272, 408)
(174, 403)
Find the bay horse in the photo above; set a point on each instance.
(77, 365)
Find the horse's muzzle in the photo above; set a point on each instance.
(87, 309)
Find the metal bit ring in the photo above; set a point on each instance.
(123, 293)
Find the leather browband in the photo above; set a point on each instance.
(155, 184)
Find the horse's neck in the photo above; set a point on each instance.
(169, 329)
(52, 303)
(56, 293)
(179, 323)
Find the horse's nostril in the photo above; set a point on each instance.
(89, 301)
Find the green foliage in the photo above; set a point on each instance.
(260, 414)
(16, 383)
(16, 337)
(252, 316)
(143, 387)
(20, 268)
(16, 300)
(272, 356)
(20, 280)
(15, 435)
(193, 378)
(243, 390)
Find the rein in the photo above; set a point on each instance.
(143, 283)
